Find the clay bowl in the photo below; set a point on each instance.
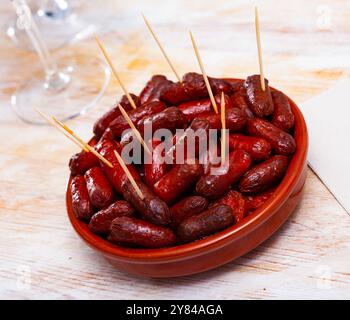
(217, 249)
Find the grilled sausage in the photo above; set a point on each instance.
(99, 189)
(81, 204)
(264, 175)
(260, 101)
(154, 89)
(178, 180)
(100, 222)
(102, 123)
(206, 223)
(213, 186)
(283, 116)
(281, 142)
(151, 208)
(187, 207)
(138, 233)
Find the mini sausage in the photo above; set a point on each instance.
(119, 124)
(257, 200)
(157, 168)
(239, 100)
(235, 120)
(197, 131)
(100, 222)
(281, 142)
(134, 232)
(81, 162)
(206, 223)
(171, 118)
(283, 116)
(178, 180)
(81, 204)
(151, 208)
(115, 175)
(193, 87)
(187, 207)
(102, 123)
(236, 202)
(197, 108)
(212, 186)
(264, 175)
(258, 148)
(99, 189)
(260, 101)
(154, 88)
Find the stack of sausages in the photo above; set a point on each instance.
(184, 202)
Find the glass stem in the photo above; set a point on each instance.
(55, 80)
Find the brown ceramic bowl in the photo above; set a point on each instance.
(217, 249)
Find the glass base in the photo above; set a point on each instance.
(82, 80)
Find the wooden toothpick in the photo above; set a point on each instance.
(223, 130)
(258, 42)
(70, 137)
(212, 99)
(115, 72)
(128, 174)
(161, 47)
(70, 131)
(132, 126)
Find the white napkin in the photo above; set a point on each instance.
(328, 119)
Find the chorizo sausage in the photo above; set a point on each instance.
(206, 223)
(260, 101)
(281, 142)
(100, 222)
(81, 204)
(178, 180)
(171, 118)
(258, 148)
(235, 120)
(239, 100)
(154, 88)
(256, 201)
(82, 161)
(151, 208)
(187, 207)
(99, 189)
(193, 87)
(138, 233)
(213, 186)
(264, 175)
(197, 108)
(102, 123)
(157, 168)
(115, 175)
(119, 124)
(283, 116)
(236, 202)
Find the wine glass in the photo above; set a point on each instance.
(66, 86)
(51, 14)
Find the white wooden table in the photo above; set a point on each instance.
(306, 50)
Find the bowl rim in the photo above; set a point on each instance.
(233, 233)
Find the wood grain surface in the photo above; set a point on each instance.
(306, 46)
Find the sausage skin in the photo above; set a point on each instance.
(178, 180)
(281, 142)
(134, 232)
(100, 222)
(264, 175)
(206, 223)
(213, 186)
(81, 204)
(187, 207)
(99, 189)
(151, 208)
